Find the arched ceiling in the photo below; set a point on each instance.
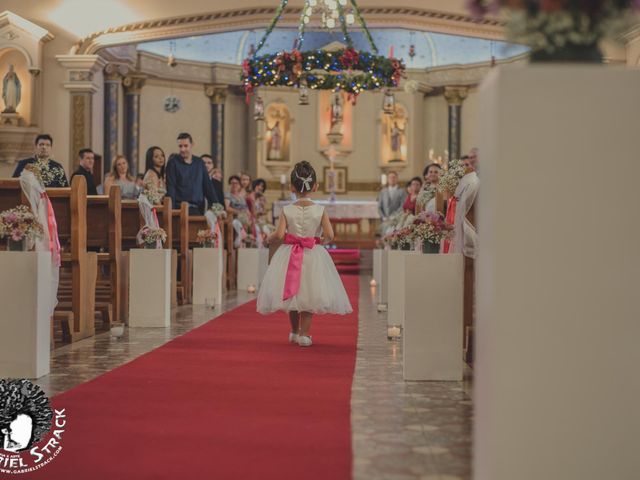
(430, 49)
(97, 24)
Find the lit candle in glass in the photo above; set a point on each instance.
(383, 179)
(283, 179)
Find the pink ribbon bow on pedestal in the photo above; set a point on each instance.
(294, 269)
(52, 227)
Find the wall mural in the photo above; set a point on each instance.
(394, 137)
(278, 133)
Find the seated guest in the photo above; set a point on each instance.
(258, 186)
(234, 201)
(245, 183)
(431, 175)
(154, 168)
(121, 177)
(86, 160)
(391, 197)
(188, 180)
(236, 205)
(216, 176)
(414, 186)
(55, 176)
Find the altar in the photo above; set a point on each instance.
(348, 218)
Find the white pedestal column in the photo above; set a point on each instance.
(252, 265)
(558, 318)
(377, 267)
(395, 286)
(25, 293)
(432, 337)
(383, 288)
(149, 287)
(208, 271)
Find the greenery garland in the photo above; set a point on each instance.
(346, 69)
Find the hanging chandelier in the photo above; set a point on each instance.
(346, 69)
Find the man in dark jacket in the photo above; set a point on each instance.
(54, 176)
(86, 157)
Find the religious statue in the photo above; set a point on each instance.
(336, 112)
(275, 142)
(11, 89)
(396, 142)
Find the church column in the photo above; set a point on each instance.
(217, 95)
(35, 119)
(133, 87)
(81, 87)
(112, 81)
(454, 97)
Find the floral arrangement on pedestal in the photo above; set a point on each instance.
(400, 239)
(561, 30)
(206, 238)
(152, 237)
(154, 193)
(18, 225)
(431, 229)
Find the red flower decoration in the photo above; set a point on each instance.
(349, 58)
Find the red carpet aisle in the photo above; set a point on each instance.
(229, 400)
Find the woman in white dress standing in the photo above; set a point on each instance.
(301, 278)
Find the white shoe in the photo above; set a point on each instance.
(304, 341)
(293, 337)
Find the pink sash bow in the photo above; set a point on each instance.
(294, 269)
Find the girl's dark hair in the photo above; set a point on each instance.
(148, 163)
(417, 179)
(233, 177)
(259, 181)
(426, 169)
(302, 171)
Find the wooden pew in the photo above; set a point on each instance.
(180, 242)
(105, 232)
(10, 194)
(70, 207)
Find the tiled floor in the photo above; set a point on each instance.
(401, 430)
(404, 430)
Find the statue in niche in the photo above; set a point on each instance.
(396, 142)
(336, 112)
(275, 142)
(11, 91)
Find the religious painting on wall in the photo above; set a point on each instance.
(394, 137)
(336, 114)
(335, 180)
(277, 133)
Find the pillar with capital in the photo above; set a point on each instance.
(217, 95)
(81, 86)
(133, 88)
(113, 74)
(455, 97)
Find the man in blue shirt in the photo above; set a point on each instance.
(188, 180)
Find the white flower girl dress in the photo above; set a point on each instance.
(320, 289)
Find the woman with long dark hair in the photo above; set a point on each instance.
(154, 167)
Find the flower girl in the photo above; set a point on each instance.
(301, 278)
